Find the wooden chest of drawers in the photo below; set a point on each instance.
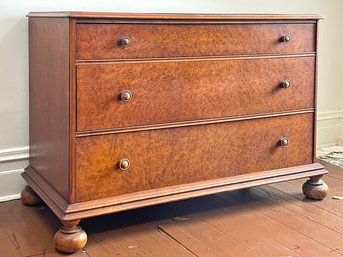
(131, 110)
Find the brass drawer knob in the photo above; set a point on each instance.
(125, 41)
(124, 164)
(126, 95)
(286, 83)
(286, 38)
(284, 141)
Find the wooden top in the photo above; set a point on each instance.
(176, 16)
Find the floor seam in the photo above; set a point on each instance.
(161, 230)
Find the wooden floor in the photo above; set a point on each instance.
(272, 220)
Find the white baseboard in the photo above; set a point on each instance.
(329, 128)
(9, 197)
(329, 115)
(11, 184)
(14, 154)
(12, 164)
(14, 160)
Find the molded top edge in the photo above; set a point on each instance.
(175, 16)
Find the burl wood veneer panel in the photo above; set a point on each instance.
(102, 41)
(49, 100)
(167, 157)
(190, 90)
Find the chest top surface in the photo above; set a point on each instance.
(176, 16)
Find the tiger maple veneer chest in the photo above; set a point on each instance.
(131, 110)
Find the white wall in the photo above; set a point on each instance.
(14, 63)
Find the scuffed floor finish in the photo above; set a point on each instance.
(273, 220)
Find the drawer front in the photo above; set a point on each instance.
(107, 41)
(189, 90)
(167, 157)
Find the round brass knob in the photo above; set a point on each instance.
(124, 164)
(286, 38)
(284, 141)
(286, 83)
(125, 41)
(126, 95)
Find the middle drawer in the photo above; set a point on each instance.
(128, 94)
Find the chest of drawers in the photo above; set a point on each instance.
(132, 110)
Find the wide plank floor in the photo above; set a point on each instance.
(272, 220)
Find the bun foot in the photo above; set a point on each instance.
(70, 238)
(29, 197)
(315, 188)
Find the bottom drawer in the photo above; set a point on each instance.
(175, 156)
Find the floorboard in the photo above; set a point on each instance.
(271, 220)
(8, 248)
(306, 225)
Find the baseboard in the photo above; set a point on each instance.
(12, 164)
(11, 184)
(14, 154)
(329, 115)
(9, 197)
(340, 139)
(329, 128)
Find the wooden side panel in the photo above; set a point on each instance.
(102, 41)
(168, 157)
(315, 100)
(190, 90)
(49, 100)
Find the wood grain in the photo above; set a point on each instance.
(7, 247)
(213, 151)
(49, 100)
(193, 90)
(27, 230)
(299, 223)
(208, 235)
(102, 41)
(266, 217)
(72, 107)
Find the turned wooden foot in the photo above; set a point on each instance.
(70, 238)
(29, 197)
(315, 188)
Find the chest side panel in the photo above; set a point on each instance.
(49, 101)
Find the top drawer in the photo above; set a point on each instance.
(120, 41)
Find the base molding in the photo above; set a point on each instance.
(65, 211)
